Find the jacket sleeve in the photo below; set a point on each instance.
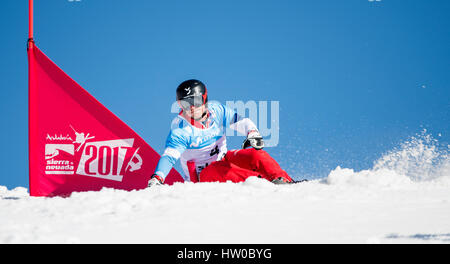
(234, 121)
(176, 144)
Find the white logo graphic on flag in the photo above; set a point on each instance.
(105, 159)
(59, 158)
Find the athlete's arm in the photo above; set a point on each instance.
(236, 122)
(176, 144)
(245, 126)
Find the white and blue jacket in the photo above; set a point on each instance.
(200, 144)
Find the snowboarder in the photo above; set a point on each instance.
(197, 138)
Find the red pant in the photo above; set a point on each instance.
(238, 165)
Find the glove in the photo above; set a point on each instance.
(155, 180)
(254, 139)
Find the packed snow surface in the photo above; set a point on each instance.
(403, 198)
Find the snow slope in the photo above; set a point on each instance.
(404, 198)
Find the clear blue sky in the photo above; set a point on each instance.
(354, 78)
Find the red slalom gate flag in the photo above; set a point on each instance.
(76, 143)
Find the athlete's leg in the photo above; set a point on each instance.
(222, 171)
(258, 161)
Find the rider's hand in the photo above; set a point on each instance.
(155, 180)
(254, 139)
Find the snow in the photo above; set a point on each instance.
(403, 198)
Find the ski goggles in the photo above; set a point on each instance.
(195, 101)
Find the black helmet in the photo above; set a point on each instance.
(192, 92)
